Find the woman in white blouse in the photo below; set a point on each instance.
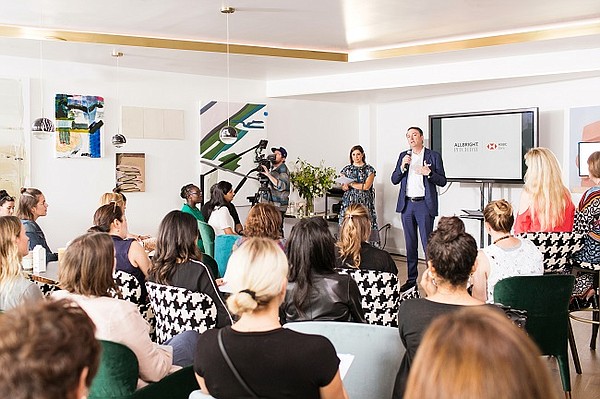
(85, 276)
(216, 211)
(507, 256)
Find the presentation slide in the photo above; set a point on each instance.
(483, 147)
(585, 150)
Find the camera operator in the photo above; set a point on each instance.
(279, 181)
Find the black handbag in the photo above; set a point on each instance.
(232, 367)
(517, 316)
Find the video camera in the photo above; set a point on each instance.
(261, 160)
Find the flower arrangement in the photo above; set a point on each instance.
(311, 181)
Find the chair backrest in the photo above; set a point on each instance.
(207, 234)
(380, 295)
(377, 352)
(131, 290)
(177, 310)
(223, 247)
(117, 375)
(557, 249)
(546, 300)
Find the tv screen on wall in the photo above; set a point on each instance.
(485, 146)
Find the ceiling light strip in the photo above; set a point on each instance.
(463, 44)
(172, 44)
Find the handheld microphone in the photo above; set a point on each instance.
(406, 165)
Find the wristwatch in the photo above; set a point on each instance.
(430, 173)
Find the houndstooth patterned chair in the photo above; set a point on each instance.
(178, 310)
(380, 295)
(557, 248)
(131, 291)
(46, 288)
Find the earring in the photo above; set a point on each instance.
(433, 282)
(470, 281)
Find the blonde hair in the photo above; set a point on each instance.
(461, 341)
(549, 196)
(108, 198)
(499, 215)
(594, 164)
(356, 228)
(10, 260)
(256, 272)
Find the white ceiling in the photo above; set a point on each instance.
(347, 26)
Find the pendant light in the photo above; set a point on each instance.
(118, 140)
(228, 134)
(42, 128)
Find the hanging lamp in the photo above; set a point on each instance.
(118, 140)
(228, 134)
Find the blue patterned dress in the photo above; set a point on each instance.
(365, 197)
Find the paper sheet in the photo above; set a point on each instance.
(343, 180)
(346, 360)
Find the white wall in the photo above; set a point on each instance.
(73, 186)
(553, 100)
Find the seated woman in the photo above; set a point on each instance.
(354, 250)
(193, 196)
(7, 204)
(116, 196)
(315, 291)
(264, 220)
(545, 203)
(177, 262)
(216, 210)
(130, 255)
(489, 358)
(274, 362)
(85, 275)
(32, 205)
(507, 256)
(15, 289)
(451, 255)
(51, 343)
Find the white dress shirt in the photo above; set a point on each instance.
(414, 183)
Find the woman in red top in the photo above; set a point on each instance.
(545, 201)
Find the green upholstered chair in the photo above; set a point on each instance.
(207, 234)
(212, 264)
(546, 300)
(377, 352)
(118, 375)
(223, 246)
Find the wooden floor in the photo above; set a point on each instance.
(583, 386)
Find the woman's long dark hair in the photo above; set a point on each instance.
(217, 198)
(311, 249)
(175, 244)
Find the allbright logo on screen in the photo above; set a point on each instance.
(496, 146)
(469, 146)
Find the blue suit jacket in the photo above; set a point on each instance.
(438, 178)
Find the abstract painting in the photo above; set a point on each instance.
(130, 172)
(249, 121)
(79, 126)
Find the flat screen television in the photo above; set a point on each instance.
(485, 146)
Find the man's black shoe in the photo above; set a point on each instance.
(407, 286)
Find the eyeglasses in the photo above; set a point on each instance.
(195, 193)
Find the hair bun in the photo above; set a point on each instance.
(449, 228)
(23, 189)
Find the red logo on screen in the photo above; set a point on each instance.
(492, 146)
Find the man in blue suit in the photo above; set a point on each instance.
(418, 170)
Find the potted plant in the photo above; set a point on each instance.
(311, 181)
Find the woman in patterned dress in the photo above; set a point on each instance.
(360, 190)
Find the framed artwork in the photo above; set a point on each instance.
(130, 172)
(79, 126)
